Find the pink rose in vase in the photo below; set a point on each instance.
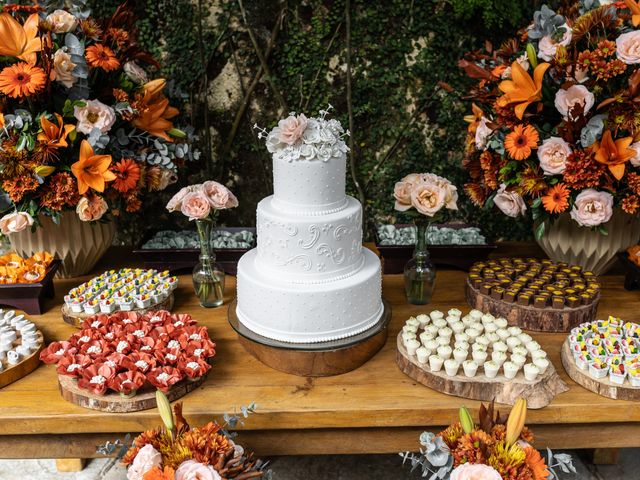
(195, 205)
(292, 128)
(428, 198)
(220, 197)
(175, 203)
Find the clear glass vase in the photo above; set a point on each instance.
(208, 276)
(419, 272)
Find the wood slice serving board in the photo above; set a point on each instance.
(11, 373)
(600, 386)
(114, 402)
(538, 393)
(76, 319)
(531, 318)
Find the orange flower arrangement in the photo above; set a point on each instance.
(101, 56)
(557, 198)
(92, 171)
(521, 141)
(22, 80)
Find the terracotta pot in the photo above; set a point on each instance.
(566, 241)
(78, 244)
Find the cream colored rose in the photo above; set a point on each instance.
(547, 46)
(628, 47)
(192, 470)
(523, 60)
(90, 210)
(402, 194)
(428, 198)
(62, 21)
(195, 205)
(220, 197)
(592, 208)
(63, 68)
(292, 128)
(15, 222)
(475, 471)
(94, 114)
(175, 203)
(147, 458)
(553, 154)
(635, 160)
(482, 134)
(509, 203)
(572, 96)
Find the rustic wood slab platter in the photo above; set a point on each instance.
(75, 319)
(538, 393)
(601, 386)
(114, 402)
(11, 373)
(531, 318)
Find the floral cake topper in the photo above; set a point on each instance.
(300, 138)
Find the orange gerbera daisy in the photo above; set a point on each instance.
(101, 56)
(17, 40)
(536, 464)
(521, 141)
(127, 173)
(557, 198)
(92, 171)
(614, 153)
(22, 80)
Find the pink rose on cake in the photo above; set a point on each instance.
(592, 208)
(292, 128)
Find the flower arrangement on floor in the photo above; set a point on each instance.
(84, 127)
(126, 352)
(202, 202)
(15, 269)
(555, 126)
(423, 197)
(180, 452)
(495, 449)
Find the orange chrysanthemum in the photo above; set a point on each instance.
(101, 56)
(156, 474)
(127, 173)
(22, 80)
(92, 171)
(521, 141)
(556, 199)
(631, 204)
(535, 463)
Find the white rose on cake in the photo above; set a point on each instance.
(324, 153)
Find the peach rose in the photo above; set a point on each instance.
(62, 21)
(94, 114)
(15, 222)
(428, 198)
(635, 160)
(471, 471)
(402, 194)
(292, 128)
(195, 205)
(574, 95)
(147, 458)
(219, 196)
(553, 154)
(63, 68)
(547, 46)
(483, 131)
(509, 203)
(592, 208)
(192, 470)
(93, 209)
(175, 203)
(628, 47)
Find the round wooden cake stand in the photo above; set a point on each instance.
(538, 393)
(600, 386)
(114, 402)
(314, 359)
(532, 318)
(76, 319)
(25, 367)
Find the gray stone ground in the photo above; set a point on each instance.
(338, 467)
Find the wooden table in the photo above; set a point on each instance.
(375, 409)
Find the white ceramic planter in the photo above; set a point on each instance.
(566, 241)
(78, 244)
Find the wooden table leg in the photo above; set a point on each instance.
(70, 464)
(606, 456)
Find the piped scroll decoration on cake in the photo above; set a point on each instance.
(298, 138)
(336, 255)
(315, 235)
(301, 260)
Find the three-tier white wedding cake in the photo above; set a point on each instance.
(309, 279)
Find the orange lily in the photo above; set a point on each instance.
(522, 89)
(54, 135)
(19, 41)
(614, 154)
(474, 119)
(92, 171)
(154, 110)
(635, 11)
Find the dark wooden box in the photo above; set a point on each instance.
(30, 296)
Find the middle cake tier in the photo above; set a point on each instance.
(309, 248)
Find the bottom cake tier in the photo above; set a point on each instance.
(309, 313)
